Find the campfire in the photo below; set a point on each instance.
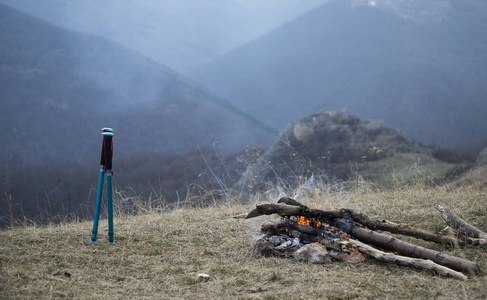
(320, 236)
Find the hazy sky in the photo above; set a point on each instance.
(180, 34)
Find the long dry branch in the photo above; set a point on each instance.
(460, 225)
(406, 261)
(407, 249)
(291, 210)
(426, 235)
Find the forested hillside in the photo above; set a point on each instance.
(59, 88)
(419, 66)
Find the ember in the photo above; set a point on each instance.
(349, 236)
(327, 229)
(307, 222)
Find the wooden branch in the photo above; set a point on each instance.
(409, 230)
(460, 225)
(375, 224)
(290, 210)
(406, 249)
(273, 227)
(406, 261)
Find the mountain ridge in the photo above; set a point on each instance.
(55, 80)
(418, 77)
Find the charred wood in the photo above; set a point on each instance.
(307, 234)
(289, 201)
(291, 210)
(301, 228)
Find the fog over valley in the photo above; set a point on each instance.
(180, 34)
(419, 66)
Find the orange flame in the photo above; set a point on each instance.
(307, 222)
(318, 225)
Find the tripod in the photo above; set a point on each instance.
(106, 167)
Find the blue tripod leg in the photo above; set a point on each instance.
(110, 207)
(98, 203)
(106, 165)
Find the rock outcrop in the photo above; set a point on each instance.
(329, 142)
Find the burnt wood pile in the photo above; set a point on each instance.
(318, 236)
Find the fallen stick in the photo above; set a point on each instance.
(407, 249)
(406, 261)
(291, 210)
(426, 235)
(460, 225)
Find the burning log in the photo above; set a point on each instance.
(308, 234)
(338, 229)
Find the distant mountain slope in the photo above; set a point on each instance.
(418, 66)
(179, 34)
(59, 88)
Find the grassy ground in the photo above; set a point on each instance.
(158, 255)
(403, 167)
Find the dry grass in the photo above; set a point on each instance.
(158, 255)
